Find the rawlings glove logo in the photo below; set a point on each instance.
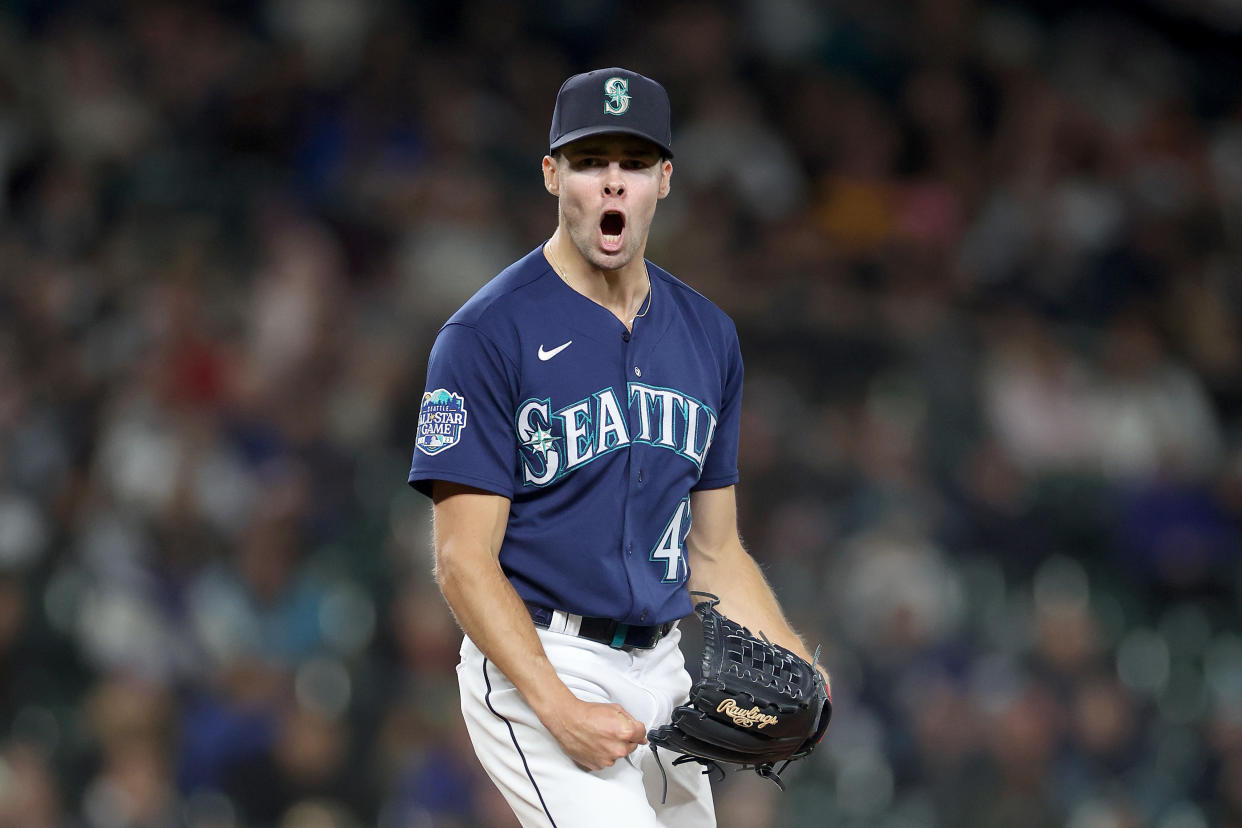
(745, 718)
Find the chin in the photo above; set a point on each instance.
(612, 261)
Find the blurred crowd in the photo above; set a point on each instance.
(986, 264)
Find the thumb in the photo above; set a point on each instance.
(638, 731)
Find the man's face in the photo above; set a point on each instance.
(608, 187)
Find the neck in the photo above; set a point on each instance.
(621, 291)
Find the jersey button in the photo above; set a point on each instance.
(637, 371)
(640, 475)
(629, 548)
(643, 617)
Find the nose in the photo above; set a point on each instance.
(613, 183)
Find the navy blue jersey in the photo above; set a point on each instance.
(597, 436)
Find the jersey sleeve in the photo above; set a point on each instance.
(465, 430)
(720, 464)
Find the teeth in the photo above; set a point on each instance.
(612, 239)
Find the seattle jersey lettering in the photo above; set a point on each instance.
(558, 442)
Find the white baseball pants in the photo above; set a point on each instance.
(541, 783)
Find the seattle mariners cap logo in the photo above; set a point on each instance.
(616, 96)
(440, 421)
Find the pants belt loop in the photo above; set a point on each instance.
(618, 640)
(565, 622)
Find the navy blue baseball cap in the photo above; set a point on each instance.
(611, 100)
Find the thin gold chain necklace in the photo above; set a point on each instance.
(560, 271)
(648, 303)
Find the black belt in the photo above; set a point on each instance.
(615, 634)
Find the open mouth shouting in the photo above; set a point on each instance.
(611, 229)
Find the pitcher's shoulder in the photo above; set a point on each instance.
(496, 298)
(692, 301)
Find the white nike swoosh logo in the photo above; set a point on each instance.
(546, 355)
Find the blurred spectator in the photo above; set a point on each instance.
(1150, 415)
(29, 794)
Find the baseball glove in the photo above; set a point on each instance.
(756, 703)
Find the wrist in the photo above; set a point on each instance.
(550, 700)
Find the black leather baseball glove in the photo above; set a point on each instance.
(756, 703)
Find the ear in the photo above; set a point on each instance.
(666, 173)
(551, 182)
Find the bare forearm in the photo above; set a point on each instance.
(469, 529)
(490, 612)
(719, 564)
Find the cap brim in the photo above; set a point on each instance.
(585, 132)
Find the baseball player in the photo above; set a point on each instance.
(578, 437)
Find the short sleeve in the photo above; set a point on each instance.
(720, 464)
(465, 430)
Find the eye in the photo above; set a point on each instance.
(636, 163)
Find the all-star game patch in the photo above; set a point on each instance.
(440, 421)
